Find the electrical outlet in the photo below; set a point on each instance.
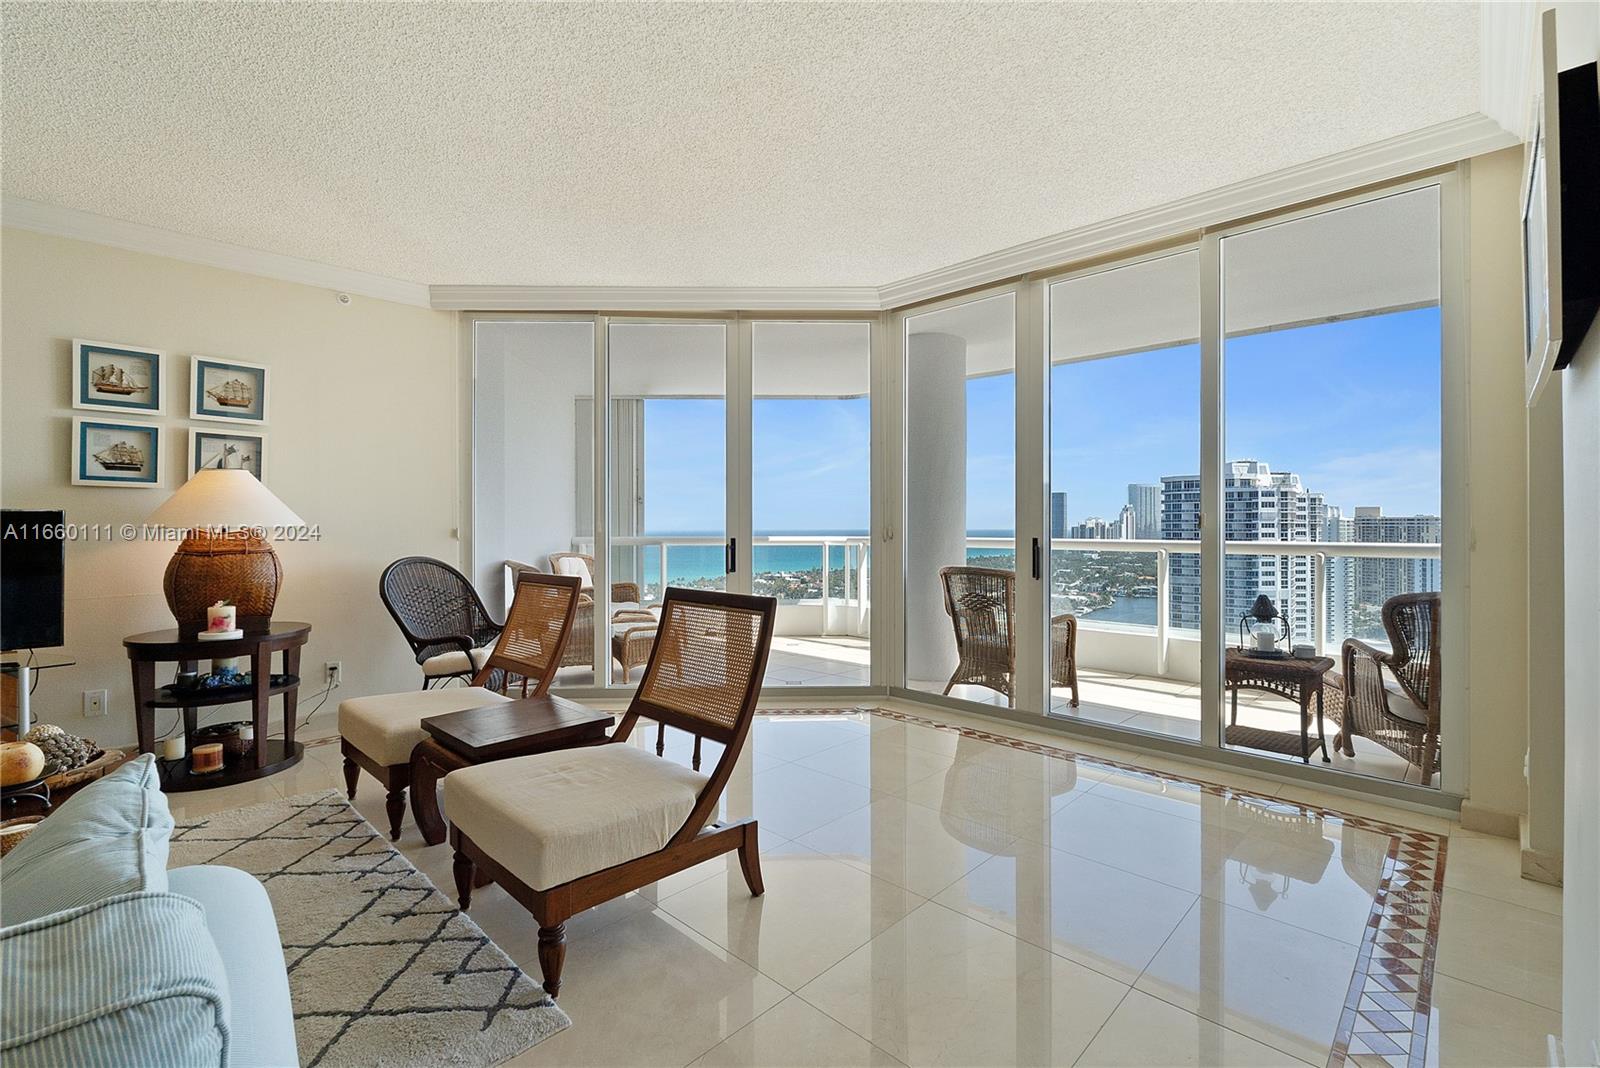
(333, 672)
(94, 702)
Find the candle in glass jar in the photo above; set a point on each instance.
(220, 617)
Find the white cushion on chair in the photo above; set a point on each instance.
(552, 817)
(442, 665)
(572, 565)
(387, 726)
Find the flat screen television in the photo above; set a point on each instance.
(1560, 216)
(32, 579)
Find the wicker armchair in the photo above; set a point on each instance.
(441, 616)
(982, 605)
(1404, 717)
(582, 565)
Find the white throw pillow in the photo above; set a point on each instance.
(572, 565)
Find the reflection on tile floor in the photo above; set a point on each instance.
(942, 894)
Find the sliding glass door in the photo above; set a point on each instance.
(668, 477)
(1123, 636)
(811, 499)
(961, 619)
(1333, 412)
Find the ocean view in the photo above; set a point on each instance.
(690, 565)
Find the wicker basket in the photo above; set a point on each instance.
(207, 568)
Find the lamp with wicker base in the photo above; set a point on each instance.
(224, 556)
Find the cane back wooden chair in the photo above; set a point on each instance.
(982, 605)
(564, 831)
(1403, 717)
(441, 616)
(378, 733)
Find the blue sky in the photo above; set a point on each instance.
(1352, 407)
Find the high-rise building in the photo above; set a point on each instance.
(1145, 500)
(1377, 579)
(1340, 586)
(1093, 527)
(1127, 523)
(1259, 505)
(1120, 528)
(1058, 514)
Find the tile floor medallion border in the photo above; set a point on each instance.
(1386, 1011)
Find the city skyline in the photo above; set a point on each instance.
(1352, 406)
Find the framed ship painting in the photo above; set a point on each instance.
(228, 449)
(227, 391)
(126, 378)
(106, 453)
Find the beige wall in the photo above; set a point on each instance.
(362, 442)
(1497, 538)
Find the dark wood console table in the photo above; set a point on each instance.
(269, 755)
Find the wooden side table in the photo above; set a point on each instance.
(270, 755)
(478, 735)
(1299, 680)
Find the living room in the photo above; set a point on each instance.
(567, 446)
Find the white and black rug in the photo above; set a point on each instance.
(383, 969)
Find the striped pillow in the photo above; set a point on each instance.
(109, 838)
(132, 980)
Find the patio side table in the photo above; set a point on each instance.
(1299, 680)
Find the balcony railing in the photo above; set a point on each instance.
(1318, 552)
(856, 590)
(853, 600)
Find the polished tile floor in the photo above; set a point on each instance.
(939, 893)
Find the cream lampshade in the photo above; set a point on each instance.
(224, 556)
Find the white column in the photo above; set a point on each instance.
(936, 496)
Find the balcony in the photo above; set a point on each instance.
(1137, 670)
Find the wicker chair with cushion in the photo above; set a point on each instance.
(982, 605)
(443, 619)
(625, 605)
(1393, 697)
(564, 831)
(378, 733)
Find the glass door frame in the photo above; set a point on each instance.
(1032, 474)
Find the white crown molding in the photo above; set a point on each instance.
(655, 298)
(1438, 145)
(102, 230)
(1507, 45)
(1435, 146)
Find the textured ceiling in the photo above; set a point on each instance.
(689, 144)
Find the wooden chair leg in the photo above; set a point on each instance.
(395, 802)
(750, 861)
(465, 872)
(552, 954)
(352, 772)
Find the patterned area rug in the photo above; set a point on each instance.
(383, 969)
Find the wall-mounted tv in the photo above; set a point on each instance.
(31, 579)
(1560, 215)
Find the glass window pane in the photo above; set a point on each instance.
(961, 498)
(811, 466)
(533, 457)
(1333, 417)
(668, 474)
(1124, 466)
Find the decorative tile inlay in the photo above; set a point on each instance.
(1385, 1019)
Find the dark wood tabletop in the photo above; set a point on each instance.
(495, 731)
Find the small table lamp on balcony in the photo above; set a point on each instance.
(223, 557)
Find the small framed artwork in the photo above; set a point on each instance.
(125, 378)
(227, 391)
(228, 449)
(106, 453)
